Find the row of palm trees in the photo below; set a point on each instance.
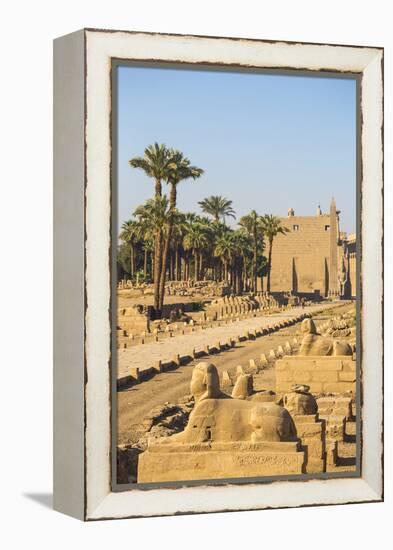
(161, 242)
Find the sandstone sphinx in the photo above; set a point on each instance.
(224, 438)
(325, 364)
(315, 344)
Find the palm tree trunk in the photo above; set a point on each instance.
(172, 206)
(195, 265)
(255, 263)
(134, 255)
(269, 264)
(132, 260)
(145, 263)
(157, 272)
(177, 264)
(188, 268)
(172, 266)
(158, 188)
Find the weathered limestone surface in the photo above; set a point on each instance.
(335, 428)
(218, 461)
(323, 374)
(307, 258)
(133, 319)
(335, 406)
(309, 428)
(315, 344)
(224, 438)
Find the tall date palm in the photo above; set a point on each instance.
(156, 165)
(218, 207)
(180, 169)
(253, 225)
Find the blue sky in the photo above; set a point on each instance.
(267, 142)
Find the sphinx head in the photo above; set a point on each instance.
(205, 382)
(308, 327)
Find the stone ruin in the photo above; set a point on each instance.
(133, 319)
(178, 288)
(240, 305)
(248, 434)
(139, 319)
(225, 438)
(325, 364)
(197, 288)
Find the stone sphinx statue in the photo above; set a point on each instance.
(315, 344)
(224, 438)
(216, 417)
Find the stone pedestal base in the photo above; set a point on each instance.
(336, 406)
(311, 432)
(335, 374)
(335, 427)
(181, 462)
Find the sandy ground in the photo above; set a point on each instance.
(146, 355)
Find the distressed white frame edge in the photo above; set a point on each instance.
(69, 274)
(100, 48)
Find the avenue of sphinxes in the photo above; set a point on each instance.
(258, 433)
(275, 392)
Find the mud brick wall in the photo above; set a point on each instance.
(322, 374)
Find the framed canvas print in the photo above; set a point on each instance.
(218, 274)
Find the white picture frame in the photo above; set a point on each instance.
(82, 247)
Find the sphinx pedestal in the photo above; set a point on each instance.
(311, 431)
(323, 374)
(214, 460)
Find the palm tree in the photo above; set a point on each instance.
(180, 169)
(196, 240)
(145, 233)
(224, 249)
(242, 253)
(154, 214)
(156, 165)
(129, 235)
(271, 227)
(217, 207)
(253, 226)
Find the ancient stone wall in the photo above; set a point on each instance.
(323, 374)
(300, 259)
(309, 257)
